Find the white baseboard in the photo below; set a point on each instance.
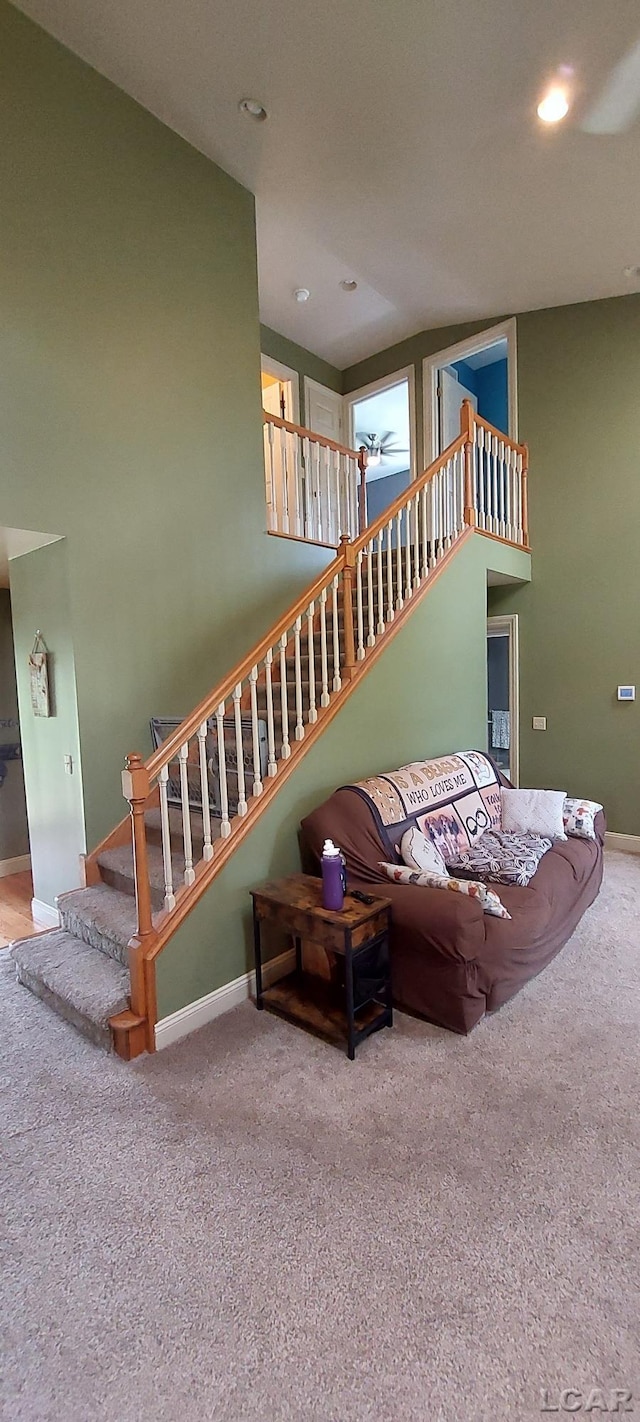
(205, 1009)
(14, 866)
(44, 914)
(628, 843)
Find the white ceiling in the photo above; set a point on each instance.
(16, 541)
(401, 148)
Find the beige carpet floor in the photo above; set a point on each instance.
(247, 1226)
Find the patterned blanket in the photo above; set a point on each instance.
(453, 800)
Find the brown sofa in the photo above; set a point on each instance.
(451, 963)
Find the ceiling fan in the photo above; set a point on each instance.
(618, 102)
(379, 446)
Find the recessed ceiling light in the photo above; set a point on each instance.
(554, 105)
(253, 109)
(631, 273)
(349, 284)
(301, 294)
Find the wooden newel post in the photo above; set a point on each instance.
(525, 496)
(466, 428)
(362, 489)
(347, 606)
(135, 788)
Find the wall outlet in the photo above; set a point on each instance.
(539, 723)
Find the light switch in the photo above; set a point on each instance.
(539, 723)
(68, 764)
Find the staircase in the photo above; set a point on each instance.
(194, 800)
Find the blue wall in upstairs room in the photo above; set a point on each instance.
(491, 387)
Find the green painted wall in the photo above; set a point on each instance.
(427, 694)
(297, 358)
(54, 799)
(578, 382)
(131, 413)
(14, 837)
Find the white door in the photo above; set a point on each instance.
(451, 393)
(323, 410)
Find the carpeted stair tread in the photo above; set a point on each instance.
(101, 916)
(78, 982)
(117, 870)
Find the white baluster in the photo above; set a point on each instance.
(324, 660)
(407, 550)
(359, 616)
(169, 896)
(299, 732)
(285, 751)
(508, 490)
(337, 679)
(493, 461)
(354, 476)
(313, 714)
(225, 825)
(416, 541)
(424, 568)
(284, 479)
(237, 713)
(339, 523)
(294, 441)
(519, 497)
(390, 606)
(207, 847)
(380, 626)
(305, 484)
(258, 787)
(268, 472)
(272, 764)
(399, 597)
(371, 637)
(189, 871)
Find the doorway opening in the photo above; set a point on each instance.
(382, 420)
(502, 694)
(280, 390)
(481, 369)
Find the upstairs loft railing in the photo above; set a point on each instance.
(201, 791)
(316, 488)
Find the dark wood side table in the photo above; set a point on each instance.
(357, 1001)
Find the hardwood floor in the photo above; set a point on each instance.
(15, 908)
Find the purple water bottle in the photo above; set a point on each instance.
(333, 877)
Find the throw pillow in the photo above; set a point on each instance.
(417, 851)
(486, 897)
(579, 818)
(502, 858)
(533, 812)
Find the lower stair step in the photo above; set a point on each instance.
(81, 984)
(102, 917)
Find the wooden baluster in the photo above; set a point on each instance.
(467, 428)
(362, 489)
(348, 569)
(313, 713)
(399, 597)
(371, 636)
(189, 871)
(165, 827)
(337, 679)
(225, 823)
(324, 660)
(299, 731)
(272, 764)
(237, 716)
(359, 615)
(135, 788)
(380, 626)
(258, 787)
(207, 846)
(285, 751)
(525, 497)
(407, 550)
(390, 607)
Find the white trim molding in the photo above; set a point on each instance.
(18, 865)
(506, 330)
(386, 382)
(197, 1014)
(507, 626)
(44, 914)
(287, 375)
(627, 843)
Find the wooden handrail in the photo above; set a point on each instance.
(493, 429)
(223, 690)
(414, 488)
(309, 434)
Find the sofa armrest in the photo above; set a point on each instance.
(453, 925)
